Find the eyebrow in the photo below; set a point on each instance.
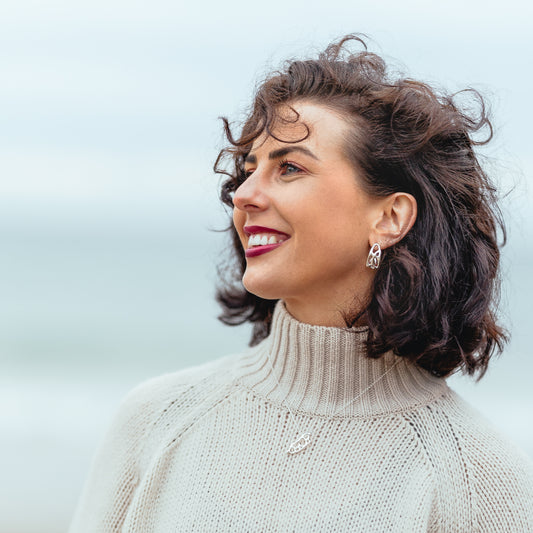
(280, 152)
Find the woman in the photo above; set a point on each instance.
(365, 233)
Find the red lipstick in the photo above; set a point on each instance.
(250, 230)
(259, 249)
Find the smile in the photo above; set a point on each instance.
(262, 240)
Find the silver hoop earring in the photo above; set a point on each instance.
(374, 257)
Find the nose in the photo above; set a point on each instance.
(251, 194)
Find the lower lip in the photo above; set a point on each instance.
(259, 250)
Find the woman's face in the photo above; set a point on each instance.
(304, 221)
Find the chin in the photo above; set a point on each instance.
(267, 289)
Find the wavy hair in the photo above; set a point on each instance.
(435, 293)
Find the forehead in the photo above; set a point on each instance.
(304, 123)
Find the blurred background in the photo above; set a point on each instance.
(108, 131)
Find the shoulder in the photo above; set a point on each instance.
(481, 441)
(158, 391)
(145, 403)
(501, 474)
(140, 426)
(477, 470)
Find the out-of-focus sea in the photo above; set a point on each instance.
(87, 313)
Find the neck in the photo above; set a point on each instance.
(325, 371)
(322, 311)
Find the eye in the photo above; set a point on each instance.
(288, 168)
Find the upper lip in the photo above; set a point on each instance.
(250, 230)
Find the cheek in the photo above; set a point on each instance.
(335, 216)
(337, 229)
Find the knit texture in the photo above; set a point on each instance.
(392, 448)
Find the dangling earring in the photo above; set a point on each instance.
(374, 257)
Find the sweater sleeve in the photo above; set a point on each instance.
(115, 471)
(502, 477)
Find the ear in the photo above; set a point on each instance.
(397, 215)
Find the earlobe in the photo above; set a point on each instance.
(398, 215)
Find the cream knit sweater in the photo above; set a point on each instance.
(205, 449)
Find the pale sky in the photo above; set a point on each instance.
(109, 104)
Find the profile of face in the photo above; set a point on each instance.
(305, 222)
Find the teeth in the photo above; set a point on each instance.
(261, 239)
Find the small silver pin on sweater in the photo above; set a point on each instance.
(304, 440)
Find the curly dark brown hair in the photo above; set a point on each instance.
(436, 291)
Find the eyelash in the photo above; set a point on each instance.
(283, 164)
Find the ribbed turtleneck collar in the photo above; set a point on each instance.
(324, 371)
